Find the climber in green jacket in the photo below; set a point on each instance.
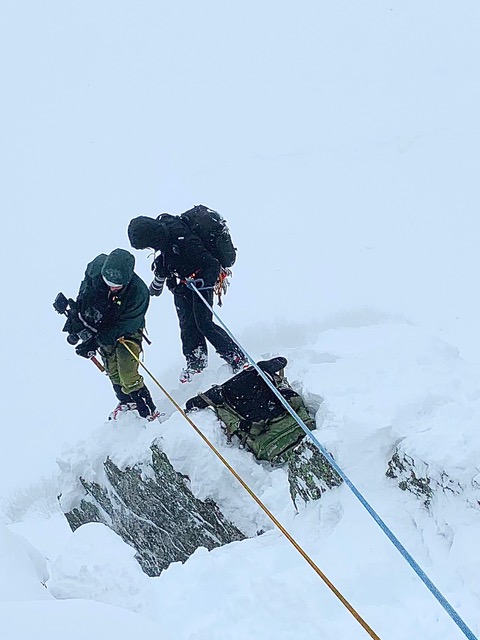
(111, 304)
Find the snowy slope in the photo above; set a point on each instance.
(340, 140)
(373, 387)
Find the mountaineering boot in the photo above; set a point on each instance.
(125, 403)
(121, 395)
(238, 362)
(145, 405)
(187, 374)
(194, 365)
(122, 407)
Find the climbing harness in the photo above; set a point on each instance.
(391, 536)
(220, 287)
(193, 278)
(253, 495)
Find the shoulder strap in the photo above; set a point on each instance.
(222, 402)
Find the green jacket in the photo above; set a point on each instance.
(113, 315)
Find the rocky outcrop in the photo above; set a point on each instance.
(402, 468)
(124, 479)
(153, 510)
(309, 473)
(424, 480)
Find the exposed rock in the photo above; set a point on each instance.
(423, 480)
(402, 468)
(159, 516)
(309, 473)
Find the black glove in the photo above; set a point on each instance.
(156, 286)
(87, 349)
(195, 404)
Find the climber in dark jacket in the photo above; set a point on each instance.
(112, 302)
(181, 255)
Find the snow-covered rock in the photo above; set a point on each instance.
(96, 564)
(152, 507)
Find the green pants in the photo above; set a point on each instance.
(121, 366)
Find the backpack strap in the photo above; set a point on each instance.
(222, 401)
(206, 399)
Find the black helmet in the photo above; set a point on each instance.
(145, 232)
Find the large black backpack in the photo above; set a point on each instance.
(212, 230)
(249, 410)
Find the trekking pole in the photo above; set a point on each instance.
(145, 337)
(190, 282)
(97, 363)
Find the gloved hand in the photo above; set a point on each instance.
(156, 286)
(86, 349)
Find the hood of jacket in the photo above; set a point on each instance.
(147, 233)
(118, 267)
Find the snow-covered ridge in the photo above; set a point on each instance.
(375, 389)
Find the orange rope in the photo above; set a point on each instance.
(290, 538)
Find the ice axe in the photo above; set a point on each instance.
(63, 306)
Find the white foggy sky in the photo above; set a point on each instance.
(339, 141)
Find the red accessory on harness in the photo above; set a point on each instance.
(221, 286)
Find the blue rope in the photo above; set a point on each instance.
(197, 283)
(415, 566)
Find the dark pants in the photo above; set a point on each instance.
(197, 326)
